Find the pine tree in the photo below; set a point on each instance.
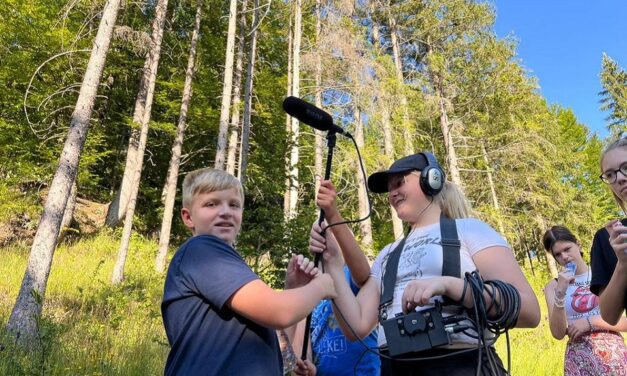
(614, 95)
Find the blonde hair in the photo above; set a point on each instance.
(453, 202)
(206, 180)
(619, 143)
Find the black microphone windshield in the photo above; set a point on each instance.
(310, 114)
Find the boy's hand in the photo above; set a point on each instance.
(326, 200)
(304, 368)
(300, 271)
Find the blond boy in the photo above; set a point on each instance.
(220, 318)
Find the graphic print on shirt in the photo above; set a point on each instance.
(328, 338)
(414, 264)
(583, 300)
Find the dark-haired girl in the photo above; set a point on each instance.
(594, 346)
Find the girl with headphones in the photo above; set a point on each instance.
(609, 248)
(421, 196)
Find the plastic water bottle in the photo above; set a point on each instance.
(570, 268)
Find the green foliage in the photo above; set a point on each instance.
(614, 95)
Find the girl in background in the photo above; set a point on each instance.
(594, 346)
(609, 248)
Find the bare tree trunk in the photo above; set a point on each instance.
(294, 152)
(24, 319)
(388, 147)
(318, 99)
(248, 94)
(364, 226)
(376, 36)
(68, 214)
(445, 125)
(231, 162)
(495, 199)
(288, 118)
(118, 270)
(447, 133)
(177, 146)
(396, 54)
(227, 87)
(550, 262)
(143, 103)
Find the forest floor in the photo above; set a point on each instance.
(20, 226)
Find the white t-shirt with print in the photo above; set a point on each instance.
(422, 258)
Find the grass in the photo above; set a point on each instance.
(534, 351)
(89, 327)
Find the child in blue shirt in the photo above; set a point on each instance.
(219, 317)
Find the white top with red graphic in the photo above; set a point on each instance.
(580, 302)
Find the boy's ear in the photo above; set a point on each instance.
(186, 215)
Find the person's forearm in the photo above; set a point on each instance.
(557, 321)
(599, 324)
(351, 313)
(612, 299)
(353, 256)
(527, 317)
(295, 304)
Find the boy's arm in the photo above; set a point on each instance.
(280, 309)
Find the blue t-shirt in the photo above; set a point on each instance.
(333, 353)
(206, 337)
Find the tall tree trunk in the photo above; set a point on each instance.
(23, 322)
(376, 35)
(294, 152)
(177, 146)
(143, 103)
(396, 54)
(447, 133)
(445, 124)
(550, 262)
(364, 226)
(68, 214)
(118, 270)
(388, 147)
(495, 199)
(318, 99)
(248, 94)
(225, 108)
(288, 118)
(234, 136)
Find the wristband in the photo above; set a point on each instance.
(589, 323)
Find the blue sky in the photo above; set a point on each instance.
(561, 43)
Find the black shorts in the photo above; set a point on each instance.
(455, 363)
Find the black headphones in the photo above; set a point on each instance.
(431, 177)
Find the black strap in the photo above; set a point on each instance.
(389, 276)
(450, 259)
(450, 247)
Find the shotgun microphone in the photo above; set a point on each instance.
(311, 115)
